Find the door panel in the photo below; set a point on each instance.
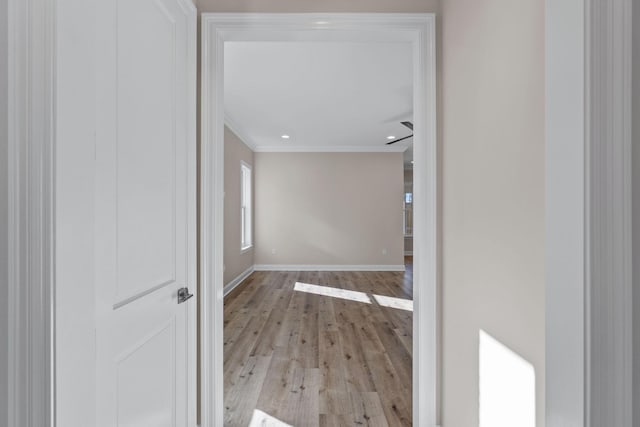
(145, 213)
(146, 136)
(144, 389)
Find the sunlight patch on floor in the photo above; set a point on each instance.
(332, 292)
(393, 302)
(262, 419)
(507, 386)
(328, 291)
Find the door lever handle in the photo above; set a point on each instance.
(183, 295)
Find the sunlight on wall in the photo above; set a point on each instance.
(261, 419)
(507, 386)
(332, 292)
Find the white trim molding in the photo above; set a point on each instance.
(609, 302)
(31, 174)
(588, 253)
(338, 267)
(636, 210)
(237, 280)
(331, 149)
(237, 129)
(419, 31)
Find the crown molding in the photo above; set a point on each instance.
(257, 148)
(328, 149)
(240, 133)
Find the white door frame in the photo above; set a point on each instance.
(31, 212)
(588, 252)
(419, 31)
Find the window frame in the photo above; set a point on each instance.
(246, 207)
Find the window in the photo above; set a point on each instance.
(245, 207)
(408, 214)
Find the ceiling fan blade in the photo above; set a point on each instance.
(398, 140)
(408, 124)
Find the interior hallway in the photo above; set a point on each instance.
(342, 359)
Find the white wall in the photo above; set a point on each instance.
(493, 193)
(235, 260)
(328, 209)
(4, 68)
(75, 323)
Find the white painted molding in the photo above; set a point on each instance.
(331, 149)
(308, 267)
(635, 209)
(609, 296)
(239, 131)
(417, 29)
(239, 279)
(564, 205)
(257, 148)
(31, 173)
(588, 202)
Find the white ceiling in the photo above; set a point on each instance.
(326, 96)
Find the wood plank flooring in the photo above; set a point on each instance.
(316, 360)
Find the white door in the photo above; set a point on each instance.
(145, 213)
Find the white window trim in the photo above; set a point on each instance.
(244, 248)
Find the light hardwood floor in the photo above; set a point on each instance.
(315, 360)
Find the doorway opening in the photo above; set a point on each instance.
(321, 332)
(416, 31)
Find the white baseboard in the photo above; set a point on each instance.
(235, 282)
(303, 267)
(408, 253)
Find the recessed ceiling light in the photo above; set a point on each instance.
(285, 137)
(322, 22)
(390, 137)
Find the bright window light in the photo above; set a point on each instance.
(392, 302)
(246, 213)
(507, 386)
(262, 419)
(332, 292)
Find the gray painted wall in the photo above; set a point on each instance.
(235, 260)
(493, 193)
(328, 209)
(4, 363)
